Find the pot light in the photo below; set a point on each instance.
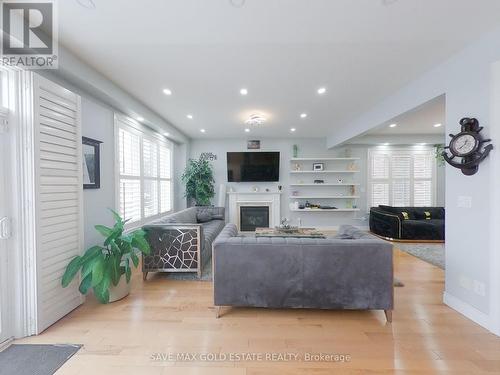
(423, 144)
(202, 130)
(393, 125)
(321, 90)
(166, 134)
(255, 119)
(243, 91)
(386, 144)
(303, 115)
(189, 117)
(139, 118)
(292, 129)
(167, 92)
(247, 130)
(437, 125)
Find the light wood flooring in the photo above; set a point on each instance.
(165, 316)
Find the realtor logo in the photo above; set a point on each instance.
(29, 34)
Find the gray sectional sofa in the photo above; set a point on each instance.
(182, 241)
(353, 271)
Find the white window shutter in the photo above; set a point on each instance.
(58, 170)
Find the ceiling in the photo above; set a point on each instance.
(420, 120)
(282, 51)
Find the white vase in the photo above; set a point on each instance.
(120, 291)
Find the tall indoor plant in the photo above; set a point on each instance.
(102, 267)
(199, 180)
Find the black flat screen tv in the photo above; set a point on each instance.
(253, 166)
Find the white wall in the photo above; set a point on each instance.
(471, 233)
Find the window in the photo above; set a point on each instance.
(145, 165)
(402, 177)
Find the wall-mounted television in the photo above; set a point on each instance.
(253, 166)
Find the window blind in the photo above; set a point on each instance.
(145, 159)
(402, 177)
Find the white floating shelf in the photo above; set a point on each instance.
(324, 197)
(327, 210)
(323, 159)
(324, 171)
(354, 184)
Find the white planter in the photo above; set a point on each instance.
(120, 291)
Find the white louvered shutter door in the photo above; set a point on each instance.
(379, 189)
(57, 132)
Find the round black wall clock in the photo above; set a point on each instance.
(467, 145)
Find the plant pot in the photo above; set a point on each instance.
(120, 291)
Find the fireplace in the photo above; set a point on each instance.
(252, 217)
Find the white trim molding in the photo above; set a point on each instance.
(467, 310)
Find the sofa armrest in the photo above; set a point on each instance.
(217, 213)
(385, 224)
(174, 247)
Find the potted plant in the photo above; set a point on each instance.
(102, 267)
(199, 180)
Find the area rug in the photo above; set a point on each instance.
(35, 359)
(429, 252)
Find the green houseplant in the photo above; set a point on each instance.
(199, 180)
(103, 266)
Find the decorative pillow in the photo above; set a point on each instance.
(405, 214)
(203, 216)
(428, 215)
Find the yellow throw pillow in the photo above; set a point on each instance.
(405, 215)
(427, 215)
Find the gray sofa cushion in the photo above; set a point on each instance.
(203, 216)
(187, 216)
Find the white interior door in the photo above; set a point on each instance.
(5, 287)
(58, 169)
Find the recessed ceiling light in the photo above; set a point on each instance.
(243, 91)
(166, 134)
(139, 118)
(386, 144)
(321, 90)
(437, 125)
(292, 129)
(247, 130)
(189, 117)
(423, 144)
(167, 92)
(202, 130)
(393, 125)
(303, 115)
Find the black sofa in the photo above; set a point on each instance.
(408, 223)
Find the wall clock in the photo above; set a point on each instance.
(467, 145)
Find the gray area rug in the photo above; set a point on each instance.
(429, 252)
(35, 359)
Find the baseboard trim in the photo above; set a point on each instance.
(467, 310)
(4, 345)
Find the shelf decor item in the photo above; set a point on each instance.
(295, 151)
(102, 267)
(318, 166)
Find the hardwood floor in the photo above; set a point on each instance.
(163, 316)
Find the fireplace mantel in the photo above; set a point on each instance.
(265, 199)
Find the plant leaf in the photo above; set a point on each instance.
(116, 216)
(128, 274)
(104, 230)
(98, 271)
(91, 253)
(141, 243)
(85, 284)
(71, 271)
(135, 259)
